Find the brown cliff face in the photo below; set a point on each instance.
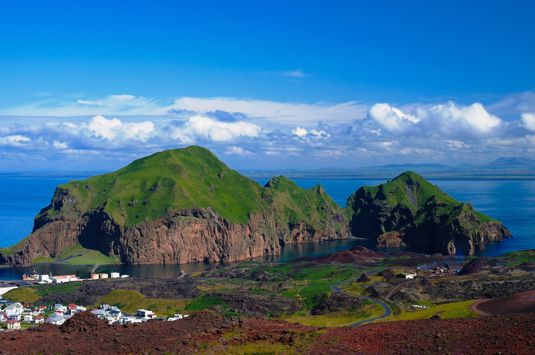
(191, 235)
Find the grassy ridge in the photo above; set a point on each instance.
(192, 177)
(174, 179)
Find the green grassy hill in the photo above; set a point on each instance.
(170, 180)
(426, 218)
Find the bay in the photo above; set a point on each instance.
(510, 201)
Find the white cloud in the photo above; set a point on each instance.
(212, 130)
(235, 150)
(280, 112)
(392, 118)
(299, 132)
(111, 129)
(528, 121)
(14, 140)
(474, 116)
(297, 73)
(60, 145)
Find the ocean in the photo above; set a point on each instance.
(510, 201)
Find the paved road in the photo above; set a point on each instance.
(387, 311)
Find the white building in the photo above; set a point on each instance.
(145, 314)
(13, 324)
(59, 279)
(57, 319)
(14, 310)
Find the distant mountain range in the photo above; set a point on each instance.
(501, 168)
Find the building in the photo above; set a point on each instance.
(27, 318)
(407, 275)
(145, 314)
(115, 275)
(57, 319)
(14, 310)
(39, 319)
(59, 279)
(44, 279)
(13, 324)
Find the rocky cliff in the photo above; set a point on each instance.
(409, 211)
(179, 206)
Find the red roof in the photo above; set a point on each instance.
(72, 306)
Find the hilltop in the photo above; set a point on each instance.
(178, 206)
(409, 211)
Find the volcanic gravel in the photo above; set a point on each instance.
(207, 333)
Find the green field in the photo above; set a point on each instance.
(451, 310)
(129, 301)
(78, 255)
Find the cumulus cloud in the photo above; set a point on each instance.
(473, 117)
(392, 118)
(111, 129)
(449, 119)
(16, 140)
(212, 130)
(528, 121)
(251, 129)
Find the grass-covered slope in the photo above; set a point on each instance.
(160, 209)
(294, 205)
(170, 180)
(425, 217)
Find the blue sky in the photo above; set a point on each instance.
(263, 83)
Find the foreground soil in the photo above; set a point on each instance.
(210, 333)
(523, 302)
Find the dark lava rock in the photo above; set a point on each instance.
(363, 278)
(324, 304)
(83, 322)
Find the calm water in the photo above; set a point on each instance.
(512, 202)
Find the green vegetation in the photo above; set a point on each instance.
(295, 204)
(170, 180)
(337, 319)
(23, 295)
(129, 301)
(203, 302)
(451, 310)
(519, 257)
(411, 191)
(78, 255)
(191, 177)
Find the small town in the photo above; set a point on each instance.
(17, 316)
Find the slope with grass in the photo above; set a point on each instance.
(409, 211)
(177, 206)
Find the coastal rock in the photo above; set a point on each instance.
(177, 207)
(409, 211)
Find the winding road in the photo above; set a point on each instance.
(387, 310)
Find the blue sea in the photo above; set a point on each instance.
(510, 201)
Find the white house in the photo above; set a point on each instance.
(27, 318)
(14, 310)
(57, 319)
(145, 314)
(408, 275)
(13, 324)
(64, 278)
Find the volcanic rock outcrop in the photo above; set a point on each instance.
(409, 211)
(179, 206)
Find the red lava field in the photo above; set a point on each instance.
(522, 302)
(209, 333)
